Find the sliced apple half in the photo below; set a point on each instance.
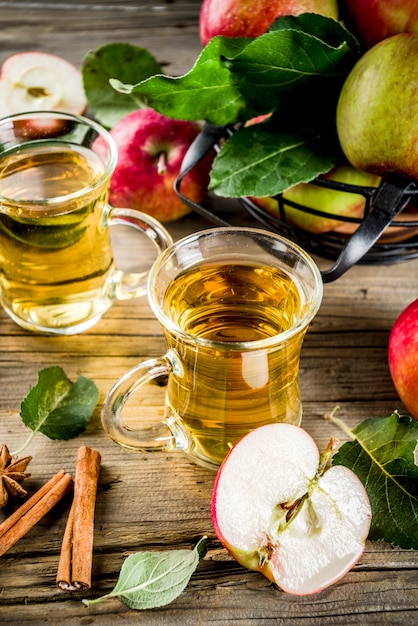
(33, 81)
(277, 511)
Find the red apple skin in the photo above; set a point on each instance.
(403, 357)
(375, 20)
(377, 110)
(147, 140)
(330, 201)
(251, 18)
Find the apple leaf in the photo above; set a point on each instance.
(152, 579)
(57, 407)
(295, 71)
(295, 60)
(382, 455)
(206, 92)
(127, 63)
(274, 162)
(321, 27)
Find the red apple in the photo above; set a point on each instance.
(377, 110)
(33, 81)
(151, 148)
(330, 201)
(251, 18)
(375, 20)
(403, 357)
(276, 511)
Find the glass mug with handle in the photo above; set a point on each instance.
(234, 305)
(57, 268)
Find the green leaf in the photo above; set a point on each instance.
(383, 457)
(206, 92)
(122, 61)
(256, 161)
(58, 408)
(152, 579)
(292, 61)
(325, 28)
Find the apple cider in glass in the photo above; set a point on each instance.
(53, 264)
(57, 269)
(234, 304)
(227, 388)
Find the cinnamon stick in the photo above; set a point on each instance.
(76, 558)
(27, 515)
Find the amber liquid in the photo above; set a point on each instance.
(227, 386)
(55, 269)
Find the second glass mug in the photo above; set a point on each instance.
(57, 271)
(234, 305)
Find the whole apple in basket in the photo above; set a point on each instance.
(251, 18)
(377, 110)
(375, 20)
(403, 357)
(151, 148)
(329, 201)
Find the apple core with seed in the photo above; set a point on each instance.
(276, 512)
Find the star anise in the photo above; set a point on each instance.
(12, 473)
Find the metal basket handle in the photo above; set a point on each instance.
(388, 201)
(206, 140)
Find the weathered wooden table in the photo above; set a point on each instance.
(162, 501)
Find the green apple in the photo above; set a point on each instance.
(331, 201)
(377, 111)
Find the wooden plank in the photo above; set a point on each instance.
(162, 501)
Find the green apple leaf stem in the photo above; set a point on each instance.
(383, 454)
(152, 579)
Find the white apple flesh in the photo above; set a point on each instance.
(275, 512)
(33, 81)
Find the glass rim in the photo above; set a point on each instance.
(269, 342)
(56, 201)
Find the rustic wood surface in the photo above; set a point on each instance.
(162, 501)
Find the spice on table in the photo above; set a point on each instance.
(12, 473)
(76, 558)
(26, 516)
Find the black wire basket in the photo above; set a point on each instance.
(380, 236)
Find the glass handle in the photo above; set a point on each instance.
(151, 439)
(132, 285)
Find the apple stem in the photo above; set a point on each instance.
(292, 508)
(325, 456)
(338, 422)
(162, 163)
